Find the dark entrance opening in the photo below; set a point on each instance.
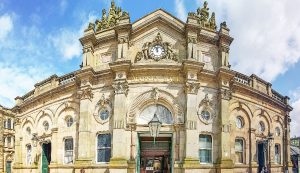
(155, 158)
(261, 156)
(46, 157)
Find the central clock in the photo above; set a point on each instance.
(157, 52)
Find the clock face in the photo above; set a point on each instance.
(157, 51)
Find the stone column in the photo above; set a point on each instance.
(225, 161)
(118, 162)
(191, 69)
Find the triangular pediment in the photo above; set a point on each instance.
(160, 16)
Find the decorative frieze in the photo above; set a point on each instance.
(191, 125)
(118, 124)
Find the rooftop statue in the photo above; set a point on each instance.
(112, 19)
(202, 16)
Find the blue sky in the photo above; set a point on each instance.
(40, 38)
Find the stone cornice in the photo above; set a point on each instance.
(237, 87)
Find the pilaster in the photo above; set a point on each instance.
(18, 145)
(119, 155)
(54, 140)
(85, 95)
(224, 45)
(191, 68)
(225, 161)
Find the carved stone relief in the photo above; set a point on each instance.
(156, 50)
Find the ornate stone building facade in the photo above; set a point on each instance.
(96, 119)
(7, 138)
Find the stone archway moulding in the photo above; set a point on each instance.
(155, 96)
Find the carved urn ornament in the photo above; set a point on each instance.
(156, 50)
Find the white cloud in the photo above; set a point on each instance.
(67, 43)
(295, 114)
(6, 25)
(266, 34)
(16, 80)
(180, 10)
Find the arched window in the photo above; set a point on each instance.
(163, 114)
(277, 131)
(205, 148)
(239, 122)
(28, 131)
(46, 125)
(28, 154)
(277, 154)
(261, 127)
(9, 141)
(239, 150)
(69, 121)
(9, 123)
(103, 147)
(69, 147)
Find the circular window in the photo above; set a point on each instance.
(103, 114)
(261, 127)
(69, 121)
(277, 131)
(205, 115)
(239, 122)
(46, 125)
(28, 130)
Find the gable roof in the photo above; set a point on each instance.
(158, 15)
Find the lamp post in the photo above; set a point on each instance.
(154, 127)
(34, 139)
(270, 140)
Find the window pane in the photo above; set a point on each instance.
(104, 151)
(205, 141)
(239, 157)
(239, 145)
(104, 140)
(205, 156)
(69, 144)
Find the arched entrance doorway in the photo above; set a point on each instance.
(155, 157)
(46, 157)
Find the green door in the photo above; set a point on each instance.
(46, 157)
(138, 156)
(8, 167)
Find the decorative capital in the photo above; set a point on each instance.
(225, 94)
(121, 87)
(85, 94)
(123, 40)
(192, 87)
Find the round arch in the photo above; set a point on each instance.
(155, 96)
